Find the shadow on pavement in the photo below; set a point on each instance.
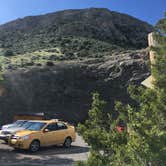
(51, 156)
(55, 150)
(11, 158)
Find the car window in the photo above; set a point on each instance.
(61, 126)
(52, 127)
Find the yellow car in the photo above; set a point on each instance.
(43, 133)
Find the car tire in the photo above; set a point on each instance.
(34, 146)
(67, 143)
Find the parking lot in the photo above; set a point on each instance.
(50, 156)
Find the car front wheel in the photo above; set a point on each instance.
(34, 146)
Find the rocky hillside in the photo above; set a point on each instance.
(65, 89)
(53, 63)
(33, 33)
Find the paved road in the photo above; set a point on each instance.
(52, 156)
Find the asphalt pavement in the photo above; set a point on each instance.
(50, 156)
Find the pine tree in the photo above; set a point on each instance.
(144, 141)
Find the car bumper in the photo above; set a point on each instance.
(19, 144)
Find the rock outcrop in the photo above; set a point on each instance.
(65, 88)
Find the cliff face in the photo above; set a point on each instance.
(65, 89)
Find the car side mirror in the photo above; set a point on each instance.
(45, 130)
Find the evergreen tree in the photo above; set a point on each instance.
(144, 141)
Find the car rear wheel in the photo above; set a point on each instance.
(34, 146)
(67, 143)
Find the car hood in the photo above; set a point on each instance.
(25, 132)
(13, 130)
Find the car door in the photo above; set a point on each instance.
(61, 133)
(49, 134)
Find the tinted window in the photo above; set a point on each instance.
(52, 127)
(61, 126)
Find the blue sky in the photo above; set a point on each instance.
(146, 10)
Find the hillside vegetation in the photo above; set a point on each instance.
(75, 31)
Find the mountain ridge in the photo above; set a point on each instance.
(75, 10)
(92, 23)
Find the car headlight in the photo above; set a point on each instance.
(25, 137)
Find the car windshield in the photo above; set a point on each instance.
(36, 126)
(19, 122)
(26, 125)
